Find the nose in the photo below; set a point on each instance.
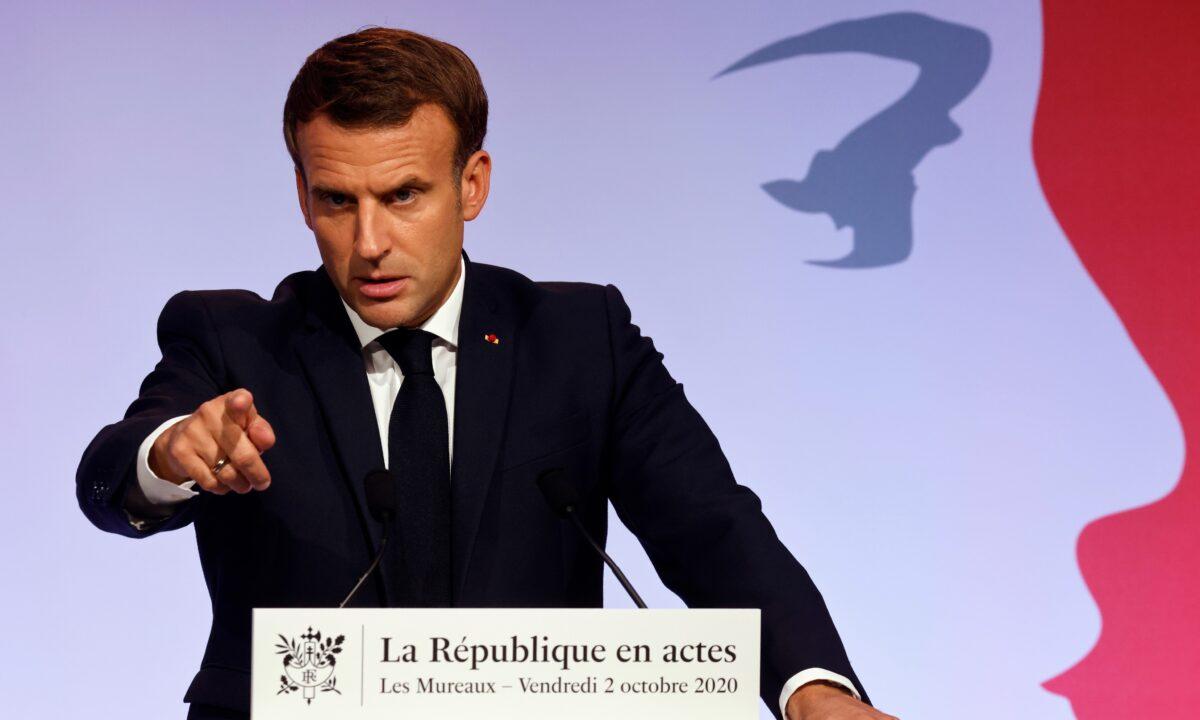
(371, 239)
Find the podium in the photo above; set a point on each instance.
(526, 664)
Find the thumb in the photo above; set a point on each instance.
(261, 434)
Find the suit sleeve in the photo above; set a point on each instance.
(706, 534)
(189, 374)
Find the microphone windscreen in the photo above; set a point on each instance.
(381, 494)
(560, 493)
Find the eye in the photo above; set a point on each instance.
(333, 199)
(405, 195)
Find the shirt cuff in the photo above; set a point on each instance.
(806, 676)
(159, 491)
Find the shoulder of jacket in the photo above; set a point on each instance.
(287, 299)
(545, 299)
(517, 283)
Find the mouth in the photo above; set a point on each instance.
(382, 287)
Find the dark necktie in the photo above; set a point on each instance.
(418, 456)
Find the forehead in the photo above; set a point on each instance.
(331, 152)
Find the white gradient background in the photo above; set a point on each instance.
(928, 438)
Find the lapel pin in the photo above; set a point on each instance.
(491, 337)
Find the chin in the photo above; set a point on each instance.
(384, 315)
(378, 315)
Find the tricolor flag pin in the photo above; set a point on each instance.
(491, 337)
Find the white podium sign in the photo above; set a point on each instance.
(504, 663)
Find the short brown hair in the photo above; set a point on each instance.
(377, 77)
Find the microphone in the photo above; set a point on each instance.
(381, 503)
(562, 496)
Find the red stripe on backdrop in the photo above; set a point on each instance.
(1117, 147)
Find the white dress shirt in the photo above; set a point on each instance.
(384, 377)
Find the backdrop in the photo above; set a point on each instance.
(957, 239)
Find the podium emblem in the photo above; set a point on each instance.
(308, 665)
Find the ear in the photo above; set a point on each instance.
(476, 180)
(302, 196)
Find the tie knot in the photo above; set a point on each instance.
(411, 349)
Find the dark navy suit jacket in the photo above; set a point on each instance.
(571, 384)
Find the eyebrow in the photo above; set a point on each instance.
(408, 181)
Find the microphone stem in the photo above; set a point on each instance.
(608, 561)
(374, 564)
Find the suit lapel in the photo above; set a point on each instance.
(333, 363)
(482, 385)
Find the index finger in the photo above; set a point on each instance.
(239, 407)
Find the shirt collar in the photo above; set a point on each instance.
(443, 323)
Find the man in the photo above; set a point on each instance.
(466, 380)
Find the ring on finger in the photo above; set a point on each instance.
(219, 465)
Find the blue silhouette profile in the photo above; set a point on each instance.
(866, 182)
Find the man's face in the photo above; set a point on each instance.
(387, 213)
